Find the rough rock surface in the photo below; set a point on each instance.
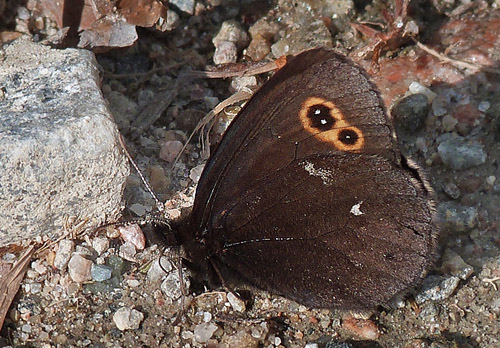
(59, 156)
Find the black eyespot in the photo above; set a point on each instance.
(348, 137)
(320, 117)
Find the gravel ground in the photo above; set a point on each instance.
(452, 131)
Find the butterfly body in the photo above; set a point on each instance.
(307, 194)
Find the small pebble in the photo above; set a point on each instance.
(26, 328)
(72, 289)
(311, 345)
(63, 254)
(437, 288)
(79, 268)
(184, 5)
(231, 31)
(207, 317)
(225, 52)
(260, 331)
(35, 288)
(133, 283)
(172, 21)
(117, 264)
(227, 41)
(237, 304)
(242, 338)
(100, 272)
(362, 328)
(127, 318)
(439, 106)
(157, 271)
(411, 112)
(83, 250)
(100, 244)
(195, 173)
(158, 179)
(258, 48)
(39, 267)
(204, 331)
(417, 88)
(452, 190)
(187, 335)
(457, 217)
(449, 123)
(483, 106)
(171, 286)
(458, 153)
(490, 180)
(9, 257)
(243, 83)
(112, 232)
(127, 251)
(133, 234)
(170, 149)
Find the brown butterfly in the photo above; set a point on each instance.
(308, 196)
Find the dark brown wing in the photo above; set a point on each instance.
(306, 194)
(348, 232)
(268, 133)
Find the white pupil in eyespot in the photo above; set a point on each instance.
(323, 121)
(317, 111)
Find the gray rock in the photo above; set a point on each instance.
(410, 112)
(173, 20)
(157, 271)
(311, 345)
(63, 253)
(439, 105)
(225, 52)
(100, 244)
(452, 190)
(230, 38)
(127, 251)
(231, 31)
(457, 217)
(458, 153)
(183, 5)
(100, 272)
(171, 286)
(204, 331)
(437, 288)
(243, 83)
(449, 123)
(59, 150)
(235, 302)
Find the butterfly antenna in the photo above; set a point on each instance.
(159, 205)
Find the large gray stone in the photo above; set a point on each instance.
(60, 159)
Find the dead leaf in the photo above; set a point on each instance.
(100, 23)
(106, 33)
(10, 280)
(144, 13)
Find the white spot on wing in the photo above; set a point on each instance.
(325, 175)
(355, 210)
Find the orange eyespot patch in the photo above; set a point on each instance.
(323, 119)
